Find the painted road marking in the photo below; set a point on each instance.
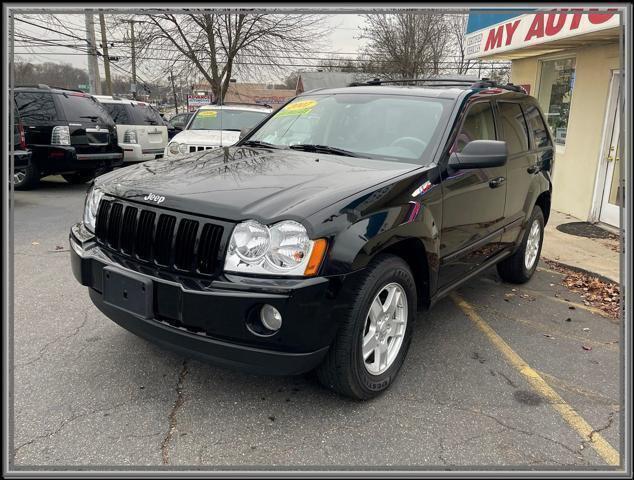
(570, 416)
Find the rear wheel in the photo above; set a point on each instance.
(519, 267)
(375, 334)
(26, 178)
(78, 177)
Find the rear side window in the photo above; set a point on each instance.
(478, 125)
(514, 127)
(82, 108)
(119, 113)
(36, 108)
(537, 126)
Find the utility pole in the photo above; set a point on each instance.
(133, 87)
(106, 58)
(93, 63)
(174, 90)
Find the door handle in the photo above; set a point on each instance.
(497, 182)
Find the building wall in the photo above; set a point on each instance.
(576, 163)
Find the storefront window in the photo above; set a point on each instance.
(555, 93)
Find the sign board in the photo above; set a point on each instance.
(538, 28)
(84, 87)
(196, 101)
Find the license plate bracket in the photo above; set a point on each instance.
(128, 291)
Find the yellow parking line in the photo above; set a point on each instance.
(570, 416)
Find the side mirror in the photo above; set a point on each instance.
(480, 154)
(244, 132)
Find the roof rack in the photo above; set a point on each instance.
(446, 82)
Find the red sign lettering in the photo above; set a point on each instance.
(576, 18)
(596, 18)
(494, 40)
(553, 28)
(537, 27)
(510, 30)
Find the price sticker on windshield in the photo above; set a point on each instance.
(297, 108)
(208, 113)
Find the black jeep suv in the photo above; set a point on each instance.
(68, 132)
(314, 241)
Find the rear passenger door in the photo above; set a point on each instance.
(519, 167)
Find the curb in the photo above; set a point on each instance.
(574, 268)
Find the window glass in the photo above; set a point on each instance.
(119, 113)
(555, 94)
(226, 119)
(537, 126)
(35, 108)
(478, 125)
(514, 127)
(145, 115)
(82, 108)
(386, 127)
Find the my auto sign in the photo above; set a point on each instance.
(536, 28)
(196, 101)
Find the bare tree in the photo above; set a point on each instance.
(218, 45)
(405, 45)
(457, 25)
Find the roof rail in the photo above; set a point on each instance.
(378, 81)
(446, 82)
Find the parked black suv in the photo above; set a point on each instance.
(315, 240)
(68, 132)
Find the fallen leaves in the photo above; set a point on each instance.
(604, 295)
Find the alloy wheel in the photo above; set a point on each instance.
(384, 328)
(532, 245)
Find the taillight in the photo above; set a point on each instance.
(60, 135)
(130, 136)
(22, 136)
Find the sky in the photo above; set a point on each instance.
(344, 30)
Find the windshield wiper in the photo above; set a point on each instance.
(258, 143)
(309, 147)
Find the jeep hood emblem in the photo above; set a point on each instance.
(154, 198)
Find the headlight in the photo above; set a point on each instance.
(130, 136)
(282, 249)
(173, 148)
(93, 198)
(183, 148)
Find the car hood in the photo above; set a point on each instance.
(238, 183)
(207, 137)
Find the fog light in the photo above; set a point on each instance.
(271, 318)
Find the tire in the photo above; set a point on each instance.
(78, 178)
(345, 370)
(26, 178)
(514, 269)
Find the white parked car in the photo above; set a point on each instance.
(216, 126)
(141, 131)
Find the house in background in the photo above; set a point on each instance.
(570, 60)
(258, 93)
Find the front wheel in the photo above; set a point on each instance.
(375, 334)
(519, 267)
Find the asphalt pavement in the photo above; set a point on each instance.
(498, 376)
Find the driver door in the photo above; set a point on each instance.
(473, 202)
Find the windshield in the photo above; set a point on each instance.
(81, 108)
(225, 119)
(370, 125)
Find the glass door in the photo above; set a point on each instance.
(612, 191)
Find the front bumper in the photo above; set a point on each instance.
(209, 323)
